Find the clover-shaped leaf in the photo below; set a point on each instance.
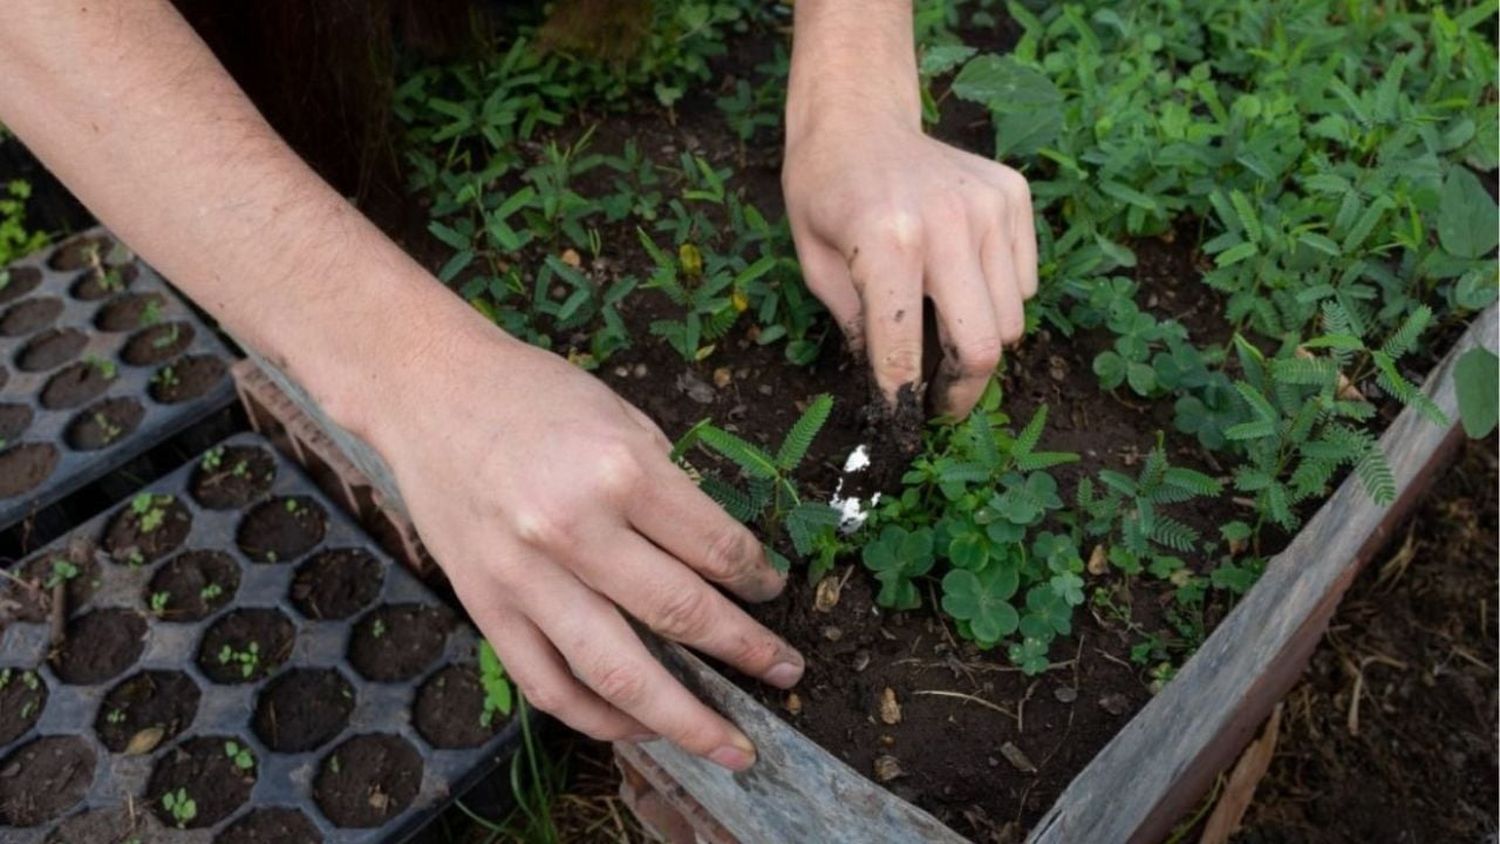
(981, 600)
(1047, 614)
(896, 557)
(1030, 655)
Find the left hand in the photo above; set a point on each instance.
(882, 216)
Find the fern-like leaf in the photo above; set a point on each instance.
(1027, 440)
(1190, 480)
(800, 438)
(751, 459)
(807, 521)
(1038, 460)
(736, 502)
(1375, 472)
(1172, 533)
(1404, 340)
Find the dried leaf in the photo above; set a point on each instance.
(144, 741)
(887, 768)
(1017, 758)
(890, 708)
(827, 595)
(1240, 789)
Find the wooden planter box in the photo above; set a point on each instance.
(1148, 776)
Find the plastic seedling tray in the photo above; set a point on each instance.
(99, 360)
(233, 640)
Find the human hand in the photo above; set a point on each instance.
(882, 216)
(549, 501)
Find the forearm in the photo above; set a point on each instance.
(128, 107)
(853, 57)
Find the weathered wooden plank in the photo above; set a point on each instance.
(1165, 758)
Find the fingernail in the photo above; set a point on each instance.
(733, 757)
(784, 674)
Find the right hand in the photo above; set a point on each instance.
(554, 509)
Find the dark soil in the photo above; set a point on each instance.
(270, 631)
(24, 467)
(127, 541)
(1419, 762)
(336, 583)
(107, 825)
(100, 645)
(367, 780)
(104, 423)
(14, 420)
(30, 316)
(185, 578)
(244, 474)
(147, 710)
(93, 285)
(78, 383)
(22, 280)
(201, 767)
(193, 376)
(128, 312)
(38, 576)
(449, 710)
(303, 709)
(81, 252)
(23, 696)
(157, 343)
(282, 529)
(271, 825)
(44, 779)
(50, 349)
(397, 642)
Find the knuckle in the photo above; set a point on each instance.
(617, 469)
(757, 651)
(980, 357)
(621, 684)
(729, 554)
(546, 697)
(896, 227)
(684, 614)
(542, 526)
(1015, 185)
(902, 364)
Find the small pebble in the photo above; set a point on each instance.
(765, 389)
(1017, 758)
(890, 708)
(1115, 704)
(640, 370)
(861, 661)
(794, 704)
(742, 373)
(722, 377)
(832, 634)
(622, 371)
(887, 741)
(570, 257)
(1065, 694)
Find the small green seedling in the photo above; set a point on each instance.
(897, 557)
(212, 459)
(182, 807)
(150, 510)
(108, 430)
(106, 368)
(166, 378)
(115, 716)
(150, 315)
(62, 572)
(210, 592)
(378, 628)
(159, 602)
(497, 691)
(293, 507)
(240, 755)
(247, 659)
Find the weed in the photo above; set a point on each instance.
(115, 716)
(770, 496)
(210, 593)
(378, 628)
(168, 338)
(166, 378)
(106, 368)
(159, 601)
(150, 510)
(62, 571)
(212, 459)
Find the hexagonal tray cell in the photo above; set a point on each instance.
(88, 391)
(282, 529)
(132, 690)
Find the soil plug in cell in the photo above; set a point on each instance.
(232, 477)
(103, 423)
(272, 825)
(246, 645)
(201, 781)
(192, 585)
(396, 643)
(147, 528)
(368, 779)
(19, 282)
(146, 710)
(303, 709)
(50, 349)
(43, 779)
(281, 530)
(80, 349)
(99, 646)
(333, 698)
(336, 584)
(23, 696)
